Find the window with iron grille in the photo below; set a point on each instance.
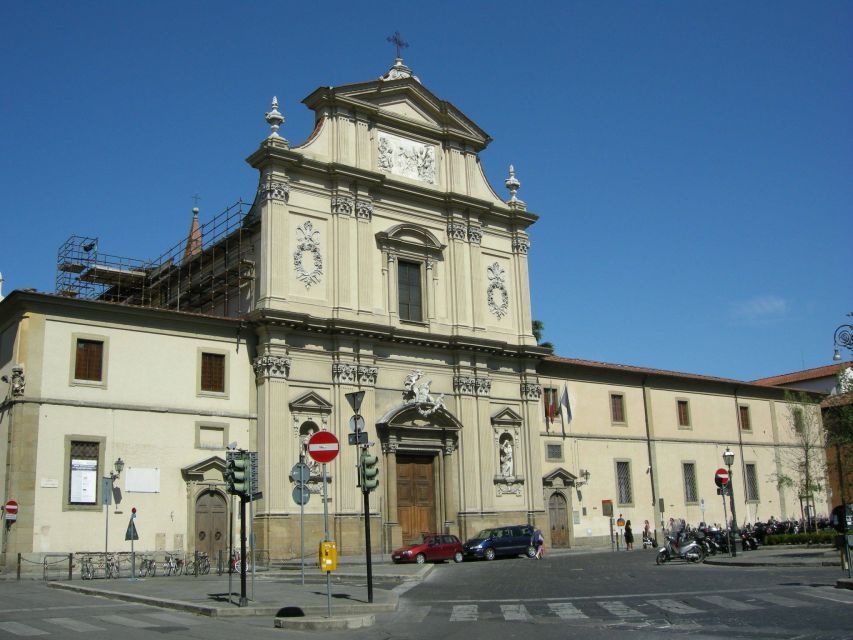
(213, 372)
(83, 473)
(88, 361)
(554, 451)
(409, 290)
(690, 493)
(751, 482)
(623, 482)
(617, 407)
(683, 409)
(745, 424)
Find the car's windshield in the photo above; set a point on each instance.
(424, 540)
(485, 533)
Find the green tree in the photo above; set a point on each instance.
(838, 422)
(538, 328)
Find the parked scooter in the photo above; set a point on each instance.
(677, 547)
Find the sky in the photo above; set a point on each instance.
(691, 162)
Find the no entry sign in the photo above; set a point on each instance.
(11, 509)
(323, 447)
(721, 477)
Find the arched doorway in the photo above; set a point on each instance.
(211, 524)
(558, 516)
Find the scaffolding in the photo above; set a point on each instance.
(211, 271)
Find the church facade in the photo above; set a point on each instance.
(375, 257)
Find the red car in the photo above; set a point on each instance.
(433, 547)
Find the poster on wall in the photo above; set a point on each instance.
(84, 481)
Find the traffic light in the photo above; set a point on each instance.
(237, 474)
(369, 468)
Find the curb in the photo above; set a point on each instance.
(844, 583)
(783, 563)
(232, 611)
(316, 623)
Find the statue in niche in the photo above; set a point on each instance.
(418, 393)
(386, 153)
(507, 470)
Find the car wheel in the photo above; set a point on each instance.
(661, 557)
(420, 558)
(490, 554)
(531, 551)
(458, 557)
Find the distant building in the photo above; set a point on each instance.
(375, 256)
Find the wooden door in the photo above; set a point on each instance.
(211, 524)
(415, 496)
(558, 515)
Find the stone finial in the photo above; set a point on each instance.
(399, 70)
(513, 185)
(274, 118)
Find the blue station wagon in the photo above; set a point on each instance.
(501, 541)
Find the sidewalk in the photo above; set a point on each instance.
(780, 556)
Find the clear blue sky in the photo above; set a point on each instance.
(692, 162)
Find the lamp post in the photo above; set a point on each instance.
(109, 482)
(728, 459)
(843, 338)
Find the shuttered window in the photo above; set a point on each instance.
(623, 482)
(213, 372)
(617, 407)
(751, 482)
(690, 493)
(745, 424)
(409, 290)
(88, 361)
(683, 413)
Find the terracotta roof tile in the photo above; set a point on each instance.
(807, 374)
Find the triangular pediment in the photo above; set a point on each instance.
(311, 402)
(202, 468)
(559, 476)
(506, 417)
(403, 104)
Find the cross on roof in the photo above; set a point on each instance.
(196, 198)
(397, 40)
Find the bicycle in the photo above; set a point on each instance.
(169, 565)
(87, 569)
(146, 566)
(111, 567)
(203, 564)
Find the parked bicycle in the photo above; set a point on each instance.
(87, 569)
(170, 565)
(147, 566)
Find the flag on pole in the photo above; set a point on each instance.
(565, 405)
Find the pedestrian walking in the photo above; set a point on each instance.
(539, 544)
(629, 536)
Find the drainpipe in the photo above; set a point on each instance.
(657, 514)
(740, 449)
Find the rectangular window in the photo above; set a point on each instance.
(554, 451)
(683, 413)
(745, 424)
(83, 473)
(617, 407)
(409, 290)
(690, 494)
(211, 437)
(88, 360)
(623, 483)
(751, 482)
(213, 372)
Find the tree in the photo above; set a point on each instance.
(838, 422)
(804, 461)
(538, 328)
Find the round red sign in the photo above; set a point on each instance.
(323, 447)
(721, 477)
(11, 507)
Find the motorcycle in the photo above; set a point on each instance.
(687, 549)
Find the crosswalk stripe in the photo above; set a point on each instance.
(187, 621)
(464, 613)
(620, 609)
(413, 614)
(18, 629)
(515, 613)
(782, 601)
(674, 606)
(73, 624)
(566, 610)
(128, 622)
(831, 593)
(728, 603)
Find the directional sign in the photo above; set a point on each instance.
(721, 477)
(301, 495)
(323, 446)
(357, 438)
(11, 509)
(356, 423)
(300, 473)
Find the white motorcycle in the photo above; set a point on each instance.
(688, 550)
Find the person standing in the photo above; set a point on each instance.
(539, 544)
(647, 535)
(629, 536)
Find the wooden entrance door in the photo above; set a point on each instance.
(558, 515)
(211, 524)
(415, 496)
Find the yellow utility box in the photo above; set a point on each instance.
(328, 556)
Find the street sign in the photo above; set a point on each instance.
(323, 446)
(721, 477)
(356, 423)
(620, 522)
(131, 533)
(107, 491)
(300, 473)
(702, 505)
(11, 509)
(301, 495)
(357, 438)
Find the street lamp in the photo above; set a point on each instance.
(843, 338)
(728, 459)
